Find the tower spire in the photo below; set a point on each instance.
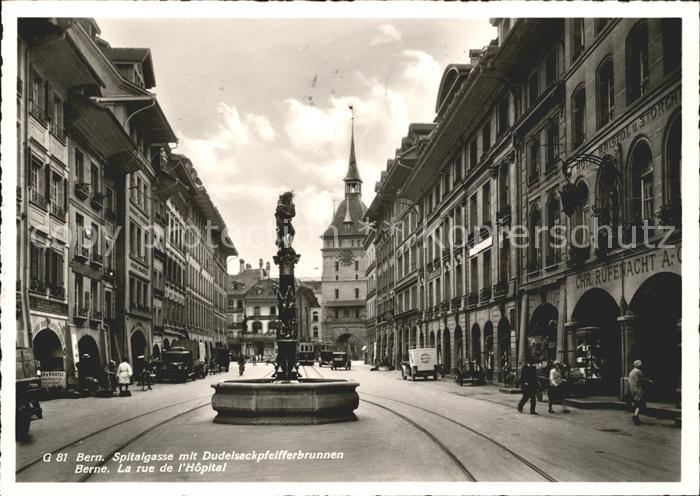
(353, 183)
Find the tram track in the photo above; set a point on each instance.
(442, 445)
(512, 453)
(379, 402)
(100, 431)
(142, 433)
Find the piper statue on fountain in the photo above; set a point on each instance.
(286, 367)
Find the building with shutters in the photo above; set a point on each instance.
(569, 131)
(94, 172)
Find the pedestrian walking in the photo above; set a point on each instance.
(557, 385)
(637, 383)
(124, 374)
(111, 375)
(146, 375)
(529, 386)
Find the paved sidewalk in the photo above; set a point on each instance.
(658, 414)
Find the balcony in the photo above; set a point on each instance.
(95, 317)
(485, 230)
(96, 200)
(446, 252)
(503, 216)
(445, 306)
(436, 263)
(472, 299)
(454, 303)
(96, 259)
(139, 307)
(37, 286)
(109, 274)
(485, 294)
(38, 112)
(552, 260)
(470, 239)
(158, 293)
(58, 211)
(428, 313)
(533, 266)
(160, 219)
(110, 214)
(81, 253)
(670, 214)
(82, 190)
(578, 255)
(500, 290)
(57, 132)
(80, 312)
(56, 291)
(37, 199)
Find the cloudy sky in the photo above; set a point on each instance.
(261, 107)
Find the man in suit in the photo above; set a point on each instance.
(529, 386)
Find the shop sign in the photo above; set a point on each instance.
(47, 306)
(53, 379)
(650, 262)
(649, 115)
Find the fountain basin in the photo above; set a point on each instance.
(268, 402)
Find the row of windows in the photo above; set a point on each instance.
(336, 293)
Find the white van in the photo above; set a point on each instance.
(422, 362)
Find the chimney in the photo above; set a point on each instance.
(262, 272)
(267, 268)
(248, 266)
(242, 266)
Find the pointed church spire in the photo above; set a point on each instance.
(352, 178)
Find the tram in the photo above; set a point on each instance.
(306, 353)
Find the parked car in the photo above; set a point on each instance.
(325, 358)
(422, 362)
(178, 365)
(340, 360)
(27, 387)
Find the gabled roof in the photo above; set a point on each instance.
(133, 55)
(244, 279)
(451, 79)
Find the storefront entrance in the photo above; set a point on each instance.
(488, 350)
(596, 343)
(503, 347)
(138, 348)
(459, 347)
(89, 353)
(476, 344)
(542, 335)
(656, 307)
(447, 354)
(48, 350)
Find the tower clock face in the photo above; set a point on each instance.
(346, 257)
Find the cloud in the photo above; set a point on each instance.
(387, 34)
(261, 125)
(244, 173)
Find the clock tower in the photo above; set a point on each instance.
(344, 281)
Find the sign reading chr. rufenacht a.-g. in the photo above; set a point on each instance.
(629, 272)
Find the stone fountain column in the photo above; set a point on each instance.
(285, 398)
(286, 368)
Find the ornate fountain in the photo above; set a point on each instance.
(286, 397)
